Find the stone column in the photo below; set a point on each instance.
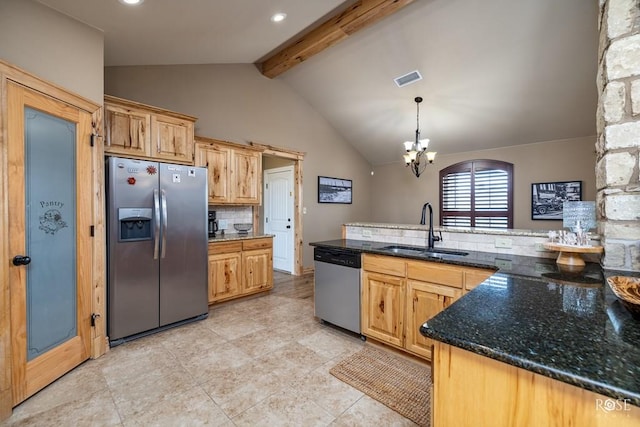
(618, 127)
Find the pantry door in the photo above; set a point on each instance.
(50, 211)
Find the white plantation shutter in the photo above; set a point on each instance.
(477, 194)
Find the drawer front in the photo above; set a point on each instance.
(257, 244)
(435, 273)
(224, 247)
(384, 264)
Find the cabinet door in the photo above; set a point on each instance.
(172, 139)
(257, 270)
(224, 276)
(128, 132)
(216, 160)
(246, 176)
(425, 300)
(383, 300)
(473, 277)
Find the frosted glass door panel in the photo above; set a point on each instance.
(50, 229)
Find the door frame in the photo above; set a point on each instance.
(297, 157)
(265, 172)
(9, 72)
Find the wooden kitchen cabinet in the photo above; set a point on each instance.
(399, 295)
(240, 267)
(383, 307)
(474, 276)
(257, 270)
(235, 171)
(425, 300)
(142, 131)
(128, 131)
(246, 176)
(225, 274)
(471, 390)
(216, 159)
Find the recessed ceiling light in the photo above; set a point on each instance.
(278, 17)
(131, 2)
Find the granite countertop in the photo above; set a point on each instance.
(531, 315)
(236, 236)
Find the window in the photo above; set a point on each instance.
(477, 193)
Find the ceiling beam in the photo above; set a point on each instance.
(361, 14)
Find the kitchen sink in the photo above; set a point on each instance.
(399, 249)
(413, 250)
(446, 252)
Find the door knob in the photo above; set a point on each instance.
(21, 260)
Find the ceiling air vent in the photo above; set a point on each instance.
(413, 76)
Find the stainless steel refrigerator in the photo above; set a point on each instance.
(157, 246)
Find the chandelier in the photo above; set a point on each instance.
(417, 155)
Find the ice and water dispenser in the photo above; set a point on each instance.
(135, 224)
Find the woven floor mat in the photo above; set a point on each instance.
(398, 383)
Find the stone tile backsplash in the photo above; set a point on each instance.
(233, 215)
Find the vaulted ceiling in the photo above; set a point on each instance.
(495, 72)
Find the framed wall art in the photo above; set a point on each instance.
(334, 190)
(547, 198)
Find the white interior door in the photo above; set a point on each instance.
(278, 215)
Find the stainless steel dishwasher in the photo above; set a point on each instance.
(337, 287)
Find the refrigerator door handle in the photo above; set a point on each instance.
(156, 207)
(164, 224)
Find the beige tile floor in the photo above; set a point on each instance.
(262, 361)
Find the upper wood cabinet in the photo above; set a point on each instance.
(235, 171)
(141, 131)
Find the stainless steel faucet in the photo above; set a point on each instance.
(430, 237)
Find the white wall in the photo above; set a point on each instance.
(53, 47)
(236, 103)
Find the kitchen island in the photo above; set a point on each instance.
(530, 346)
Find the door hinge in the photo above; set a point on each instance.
(92, 230)
(94, 316)
(92, 142)
(266, 185)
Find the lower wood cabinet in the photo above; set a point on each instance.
(399, 295)
(425, 300)
(383, 307)
(472, 390)
(240, 267)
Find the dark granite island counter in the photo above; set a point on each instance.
(554, 349)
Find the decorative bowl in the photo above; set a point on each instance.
(243, 227)
(627, 289)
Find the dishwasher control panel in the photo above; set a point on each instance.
(338, 256)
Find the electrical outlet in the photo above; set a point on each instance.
(222, 224)
(366, 233)
(540, 247)
(502, 242)
(503, 264)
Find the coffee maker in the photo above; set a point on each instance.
(212, 223)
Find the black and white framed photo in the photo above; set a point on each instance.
(334, 190)
(547, 198)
